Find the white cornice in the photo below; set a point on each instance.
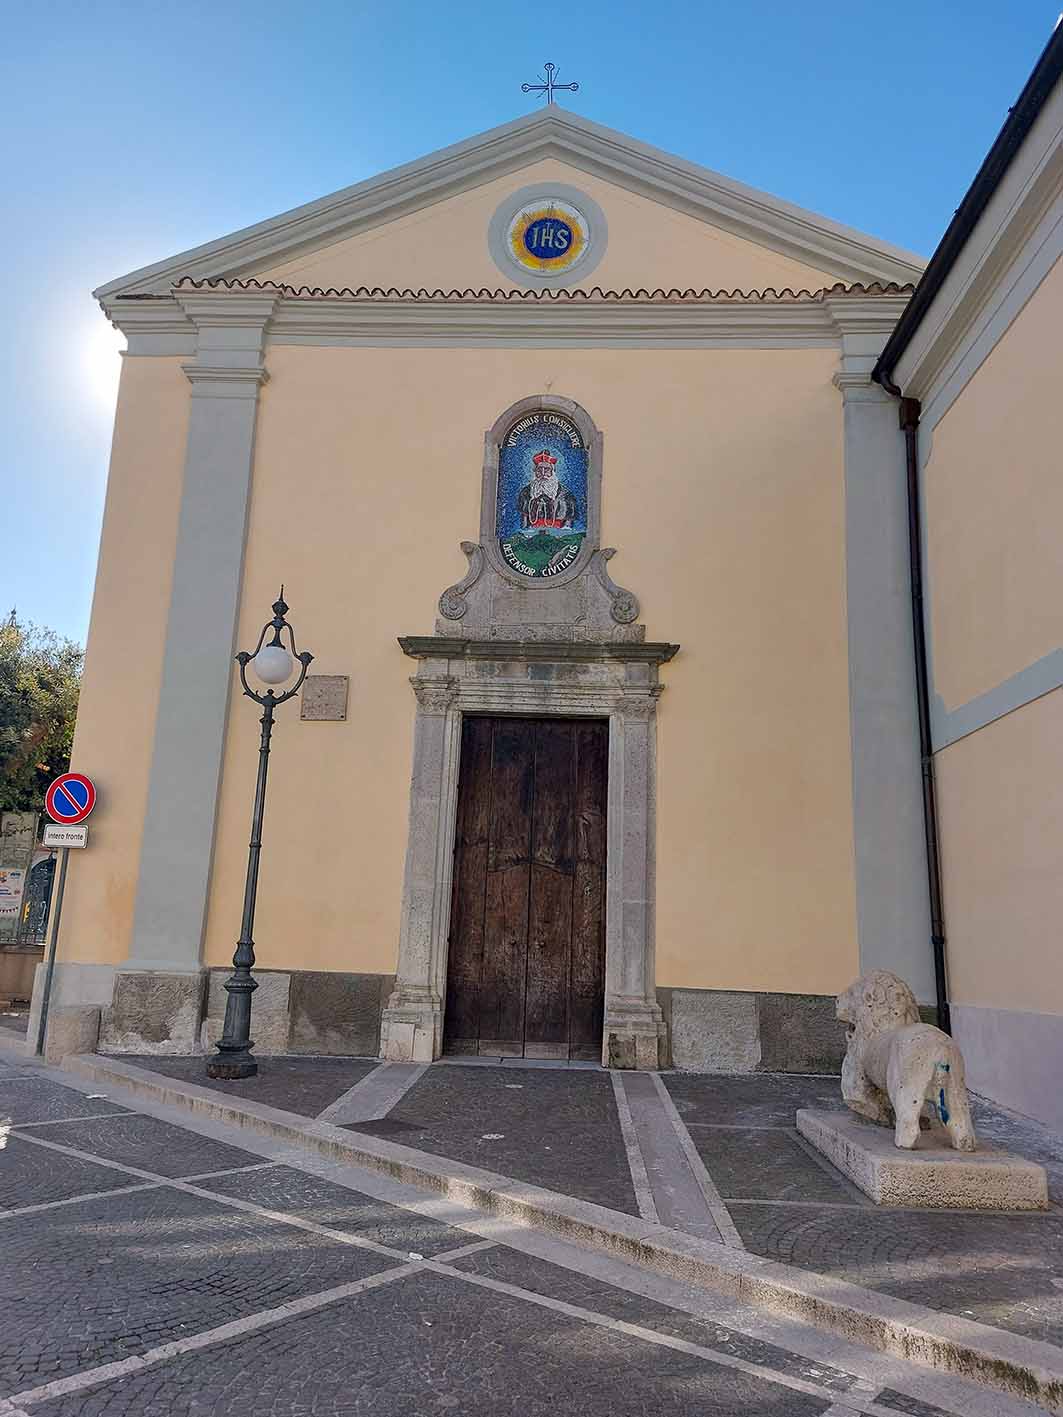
(162, 327)
(589, 147)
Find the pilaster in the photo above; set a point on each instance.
(174, 873)
(634, 1032)
(412, 1022)
(892, 906)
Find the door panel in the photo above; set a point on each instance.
(465, 962)
(527, 941)
(586, 1008)
(505, 950)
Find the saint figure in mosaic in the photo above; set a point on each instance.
(545, 502)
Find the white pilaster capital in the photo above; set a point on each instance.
(857, 386)
(872, 317)
(227, 308)
(863, 325)
(223, 382)
(230, 331)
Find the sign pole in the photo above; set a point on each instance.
(68, 801)
(46, 991)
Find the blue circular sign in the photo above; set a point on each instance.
(548, 239)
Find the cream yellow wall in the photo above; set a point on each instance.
(723, 491)
(445, 246)
(1001, 804)
(123, 660)
(994, 508)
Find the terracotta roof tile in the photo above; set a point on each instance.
(595, 295)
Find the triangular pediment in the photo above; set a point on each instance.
(671, 223)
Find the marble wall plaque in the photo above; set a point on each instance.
(324, 697)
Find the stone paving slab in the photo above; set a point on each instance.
(542, 1277)
(302, 1085)
(283, 1188)
(768, 1165)
(32, 1176)
(88, 1283)
(760, 1100)
(552, 1128)
(37, 1099)
(429, 1343)
(900, 1402)
(147, 1143)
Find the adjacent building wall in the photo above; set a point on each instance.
(994, 507)
(722, 489)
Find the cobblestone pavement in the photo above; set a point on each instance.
(760, 1185)
(534, 1124)
(303, 1085)
(281, 1285)
(789, 1204)
(15, 1021)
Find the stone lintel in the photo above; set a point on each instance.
(440, 647)
(932, 1175)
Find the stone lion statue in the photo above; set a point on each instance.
(894, 1064)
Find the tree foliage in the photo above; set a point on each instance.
(40, 675)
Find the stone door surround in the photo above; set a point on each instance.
(541, 679)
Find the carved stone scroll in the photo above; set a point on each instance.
(452, 604)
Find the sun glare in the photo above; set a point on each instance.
(100, 364)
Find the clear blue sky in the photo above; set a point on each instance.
(134, 130)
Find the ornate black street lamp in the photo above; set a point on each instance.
(273, 664)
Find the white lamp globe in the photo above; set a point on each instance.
(273, 664)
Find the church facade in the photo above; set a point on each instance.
(570, 459)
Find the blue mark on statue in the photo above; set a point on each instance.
(935, 1096)
(548, 238)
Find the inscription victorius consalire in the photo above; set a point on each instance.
(542, 494)
(548, 237)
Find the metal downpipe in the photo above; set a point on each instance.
(909, 411)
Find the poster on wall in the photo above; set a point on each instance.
(542, 494)
(12, 883)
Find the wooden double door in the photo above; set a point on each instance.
(526, 964)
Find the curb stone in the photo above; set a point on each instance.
(1022, 1367)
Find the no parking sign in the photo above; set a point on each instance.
(70, 799)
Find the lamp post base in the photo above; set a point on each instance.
(231, 1069)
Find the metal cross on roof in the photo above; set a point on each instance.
(548, 86)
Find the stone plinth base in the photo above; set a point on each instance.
(932, 1175)
(411, 1026)
(71, 1028)
(154, 1011)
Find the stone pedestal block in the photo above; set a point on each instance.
(932, 1175)
(269, 1011)
(632, 1051)
(799, 1033)
(714, 1031)
(411, 1029)
(155, 1012)
(336, 1013)
(71, 1029)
